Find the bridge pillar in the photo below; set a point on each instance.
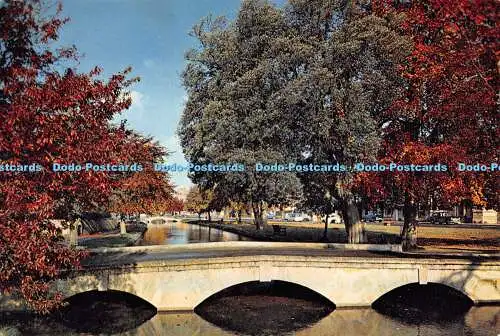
(103, 281)
(265, 272)
(422, 275)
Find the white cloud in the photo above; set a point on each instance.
(137, 100)
(135, 113)
(137, 109)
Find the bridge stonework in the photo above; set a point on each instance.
(347, 282)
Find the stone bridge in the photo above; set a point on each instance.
(180, 278)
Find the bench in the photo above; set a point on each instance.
(279, 230)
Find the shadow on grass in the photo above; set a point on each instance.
(298, 234)
(492, 243)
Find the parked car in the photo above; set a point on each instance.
(271, 215)
(302, 217)
(372, 218)
(442, 217)
(333, 218)
(297, 217)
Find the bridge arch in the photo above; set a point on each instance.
(456, 287)
(274, 287)
(108, 311)
(107, 295)
(158, 220)
(220, 286)
(430, 300)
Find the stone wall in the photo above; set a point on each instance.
(99, 225)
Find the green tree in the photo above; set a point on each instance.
(197, 200)
(230, 81)
(303, 83)
(238, 207)
(333, 96)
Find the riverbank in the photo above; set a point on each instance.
(430, 239)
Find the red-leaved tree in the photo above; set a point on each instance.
(148, 191)
(449, 113)
(51, 116)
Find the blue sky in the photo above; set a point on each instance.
(152, 37)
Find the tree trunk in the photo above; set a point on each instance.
(239, 216)
(209, 217)
(325, 230)
(73, 233)
(263, 214)
(409, 231)
(257, 214)
(354, 227)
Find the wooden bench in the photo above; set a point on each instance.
(279, 230)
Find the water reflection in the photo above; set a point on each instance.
(178, 324)
(172, 233)
(478, 321)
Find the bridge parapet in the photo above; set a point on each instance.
(182, 284)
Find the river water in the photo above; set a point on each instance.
(478, 321)
(173, 233)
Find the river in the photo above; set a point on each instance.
(173, 233)
(478, 321)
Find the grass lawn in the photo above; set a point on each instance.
(469, 239)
